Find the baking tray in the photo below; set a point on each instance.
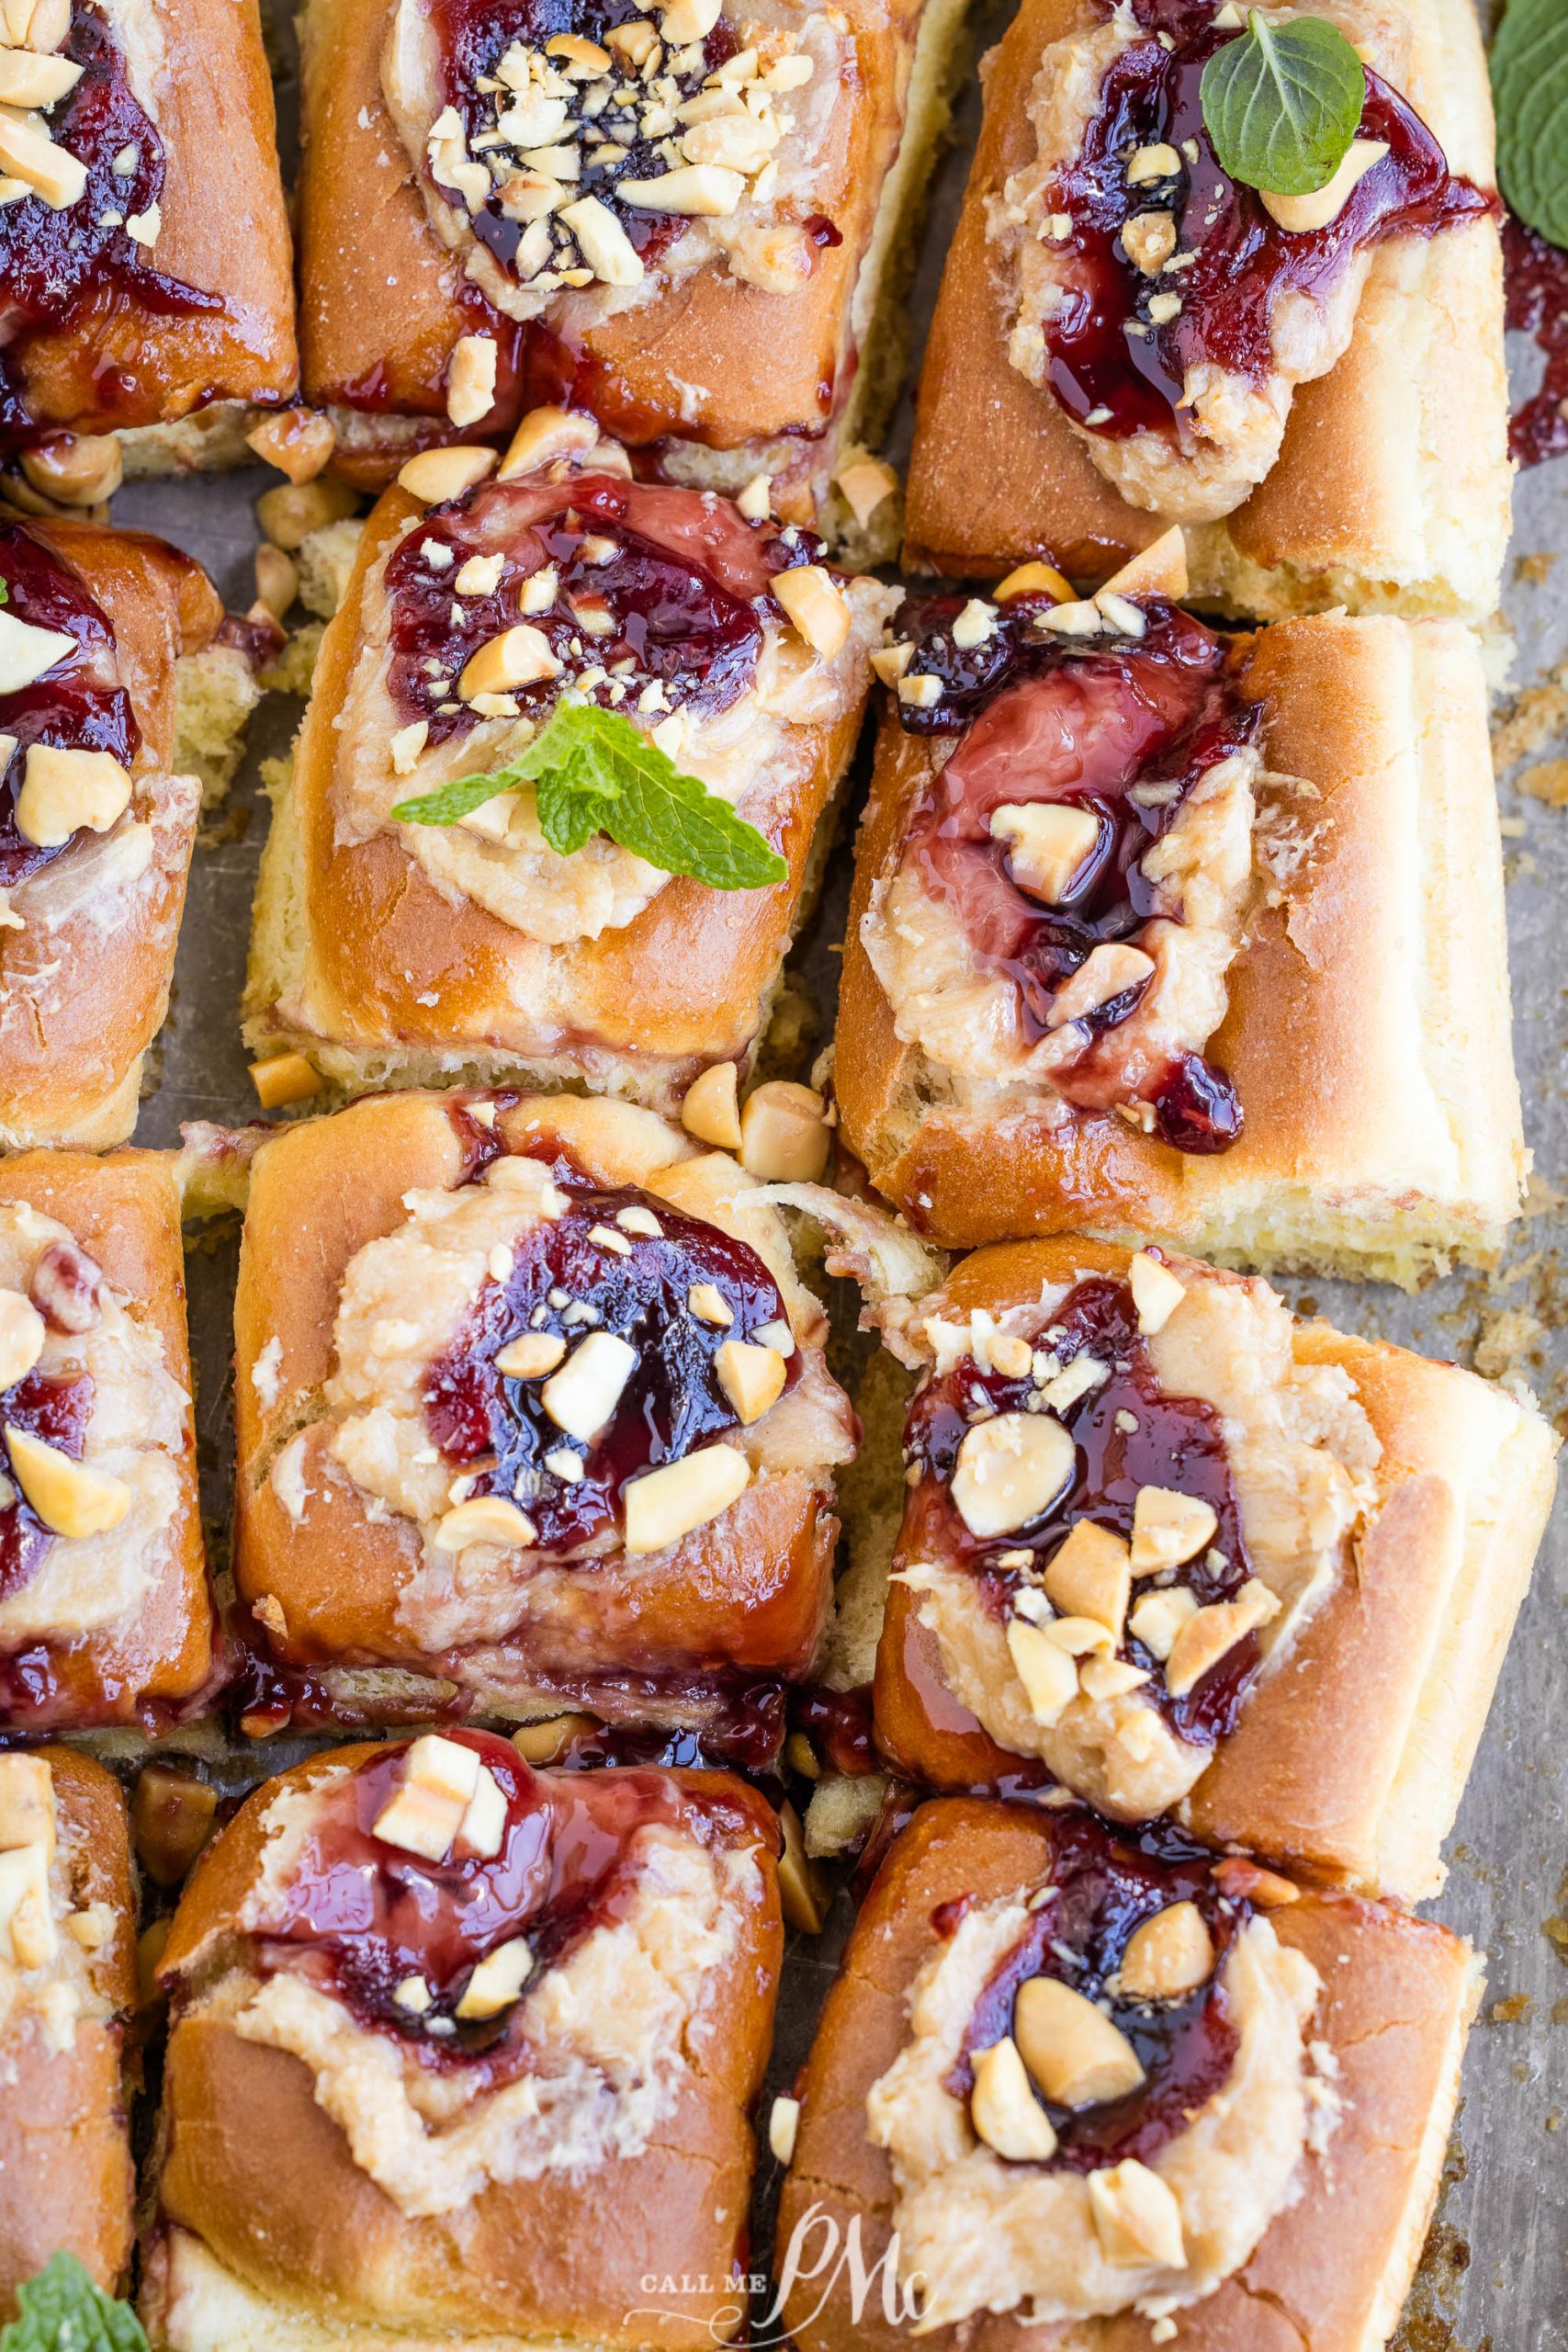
(1494, 2275)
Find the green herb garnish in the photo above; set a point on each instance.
(62, 2310)
(1282, 104)
(1529, 90)
(593, 772)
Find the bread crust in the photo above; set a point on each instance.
(1391, 489)
(1368, 1030)
(223, 230)
(66, 2178)
(388, 981)
(563, 2257)
(125, 1210)
(712, 360)
(80, 1002)
(1331, 2271)
(1349, 1761)
(746, 1595)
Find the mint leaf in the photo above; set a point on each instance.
(62, 2310)
(1530, 89)
(595, 773)
(1282, 104)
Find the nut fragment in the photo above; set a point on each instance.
(1137, 2216)
(484, 1518)
(606, 248)
(286, 1077)
(1003, 2108)
(1009, 1470)
(1079, 1636)
(498, 1980)
(814, 604)
(277, 579)
(1049, 844)
(29, 153)
(425, 1814)
(1169, 1956)
(27, 1803)
(1300, 215)
(1210, 1634)
(689, 20)
(546, 1742)
(29, 79)
(26, 1918)
(707, 1303)
(581, 1398)
(865, 484)
(22, 1335)
(803, 1891)
(1156, 1294)
(298, 441)
(546, 433)
(71, 1498)
(783, 1134)
(470, 379)
(1149, 239)
(1075, 2053)
(290, 512)
(1107, 972)
(75, 469)
(65, 792)
(27, 652)
(1048, 1675)
(172, 1816)
(436, 475)
(751, 1377)
(530, 1356)
(710, 1109)
(1159, 1617)
(1169, 1529)
(520, 655)
(1091, 1577)
(664, 1505)
(694, 191)
(1245, 1881)
(784, 2123)
(1159, 162)
(1033, 580)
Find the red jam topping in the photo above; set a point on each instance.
(51, 263)
(1121, 726)
(1128, 1433)
(613, 143)
(652, 587)
(1536, 279)
(361, 1917)
(1105, 1886)
(78, 705)
(55, 1409)
(1111, 366)
(565, 1283)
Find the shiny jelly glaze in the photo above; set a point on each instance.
(474, 34)
(1177, 1442)
(1105, 1886)
(361, 1917)
(1132, 381)
(683, 581)
(78, 705)
(672, 1403)
(51, 262)
(1086, 723)
(55, 1408)
(1536, 275)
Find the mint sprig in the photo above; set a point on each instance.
(593, 772)
(62, 2310)
(1529, 91)
(1282, 104)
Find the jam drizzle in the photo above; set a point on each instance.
(1113, 368)
(565, 1283)
(56, 1408)
(1536, 276)
(659, 595)
(1124, 726)
(78, 705)
(51, 263)
(1175, 1442)
(1104, 1887)
(360, 1916)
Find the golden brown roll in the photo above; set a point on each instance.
(1382, 484)
(515, 2084)
(105, 1616)
(67, 1991)
(95, 826)
(531, 1405)
(757, 327)
(1193, 1558)
(1105, 2096)
(148, 255)
(1160, 932)
(404, 951)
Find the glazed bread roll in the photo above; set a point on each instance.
(105, 1615)
(67, 1994)
(148, 262)
(1196, 1559)
(756, 329)
(390, 951)
(95, 825)
(1092, 2091)
(517, 2086)
(532, 1406)
(1358, 457)
(1158, 931)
